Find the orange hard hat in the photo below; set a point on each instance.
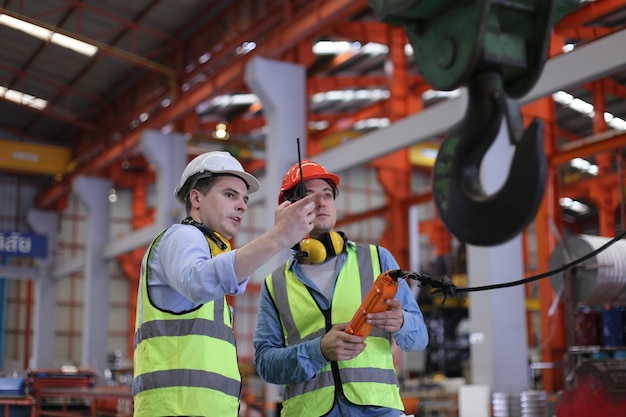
(310, 171)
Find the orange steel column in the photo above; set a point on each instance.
(394, 171)
(552, 327)
(130, 263)
(553, 340)
(605, 197)
(438, 235)
(599, 106)
(544, 109)
(394, 174)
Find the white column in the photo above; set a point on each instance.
(93, 192)
(499, 349)
(281, 87)
(44, 223)
(499, 343)
(168, 154)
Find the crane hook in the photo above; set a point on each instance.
(463, 205)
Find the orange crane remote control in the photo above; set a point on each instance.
(385, 287)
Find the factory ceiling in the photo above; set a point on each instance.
(177, 66)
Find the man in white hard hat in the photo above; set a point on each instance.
(185, 359)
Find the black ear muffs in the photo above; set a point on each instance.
(207, 232)
(319, 250)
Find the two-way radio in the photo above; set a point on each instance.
(301, 185)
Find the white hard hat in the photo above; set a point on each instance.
(216, 162)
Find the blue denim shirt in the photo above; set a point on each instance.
(279, 364)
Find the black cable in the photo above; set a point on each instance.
(545, 274)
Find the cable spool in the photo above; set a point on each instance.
(534, 403)
(505, 405)
(597, 281)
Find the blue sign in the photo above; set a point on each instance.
(23, 244)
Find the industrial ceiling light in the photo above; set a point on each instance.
(340, 47)
(574, 205)
(245, 48)
(434, 94)
(112, 196)
(220, 131)
(584, 166)
(587, 109)
(23, 98)
(372, 123)
(371, 94)
(44, 34)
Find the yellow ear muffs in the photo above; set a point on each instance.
(313, 250)
(318, 250)
(337, 241)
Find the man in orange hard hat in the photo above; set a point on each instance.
(300, 338)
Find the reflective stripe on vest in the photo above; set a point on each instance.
(185, 363)
(368, 379)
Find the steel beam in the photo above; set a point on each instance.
(589, 62)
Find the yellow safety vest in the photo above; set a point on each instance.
(185, 364)
(368, 379)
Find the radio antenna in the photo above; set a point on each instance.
(302, 192)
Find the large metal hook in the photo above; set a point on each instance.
(463, 205)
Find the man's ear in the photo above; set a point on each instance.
(194, 198)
